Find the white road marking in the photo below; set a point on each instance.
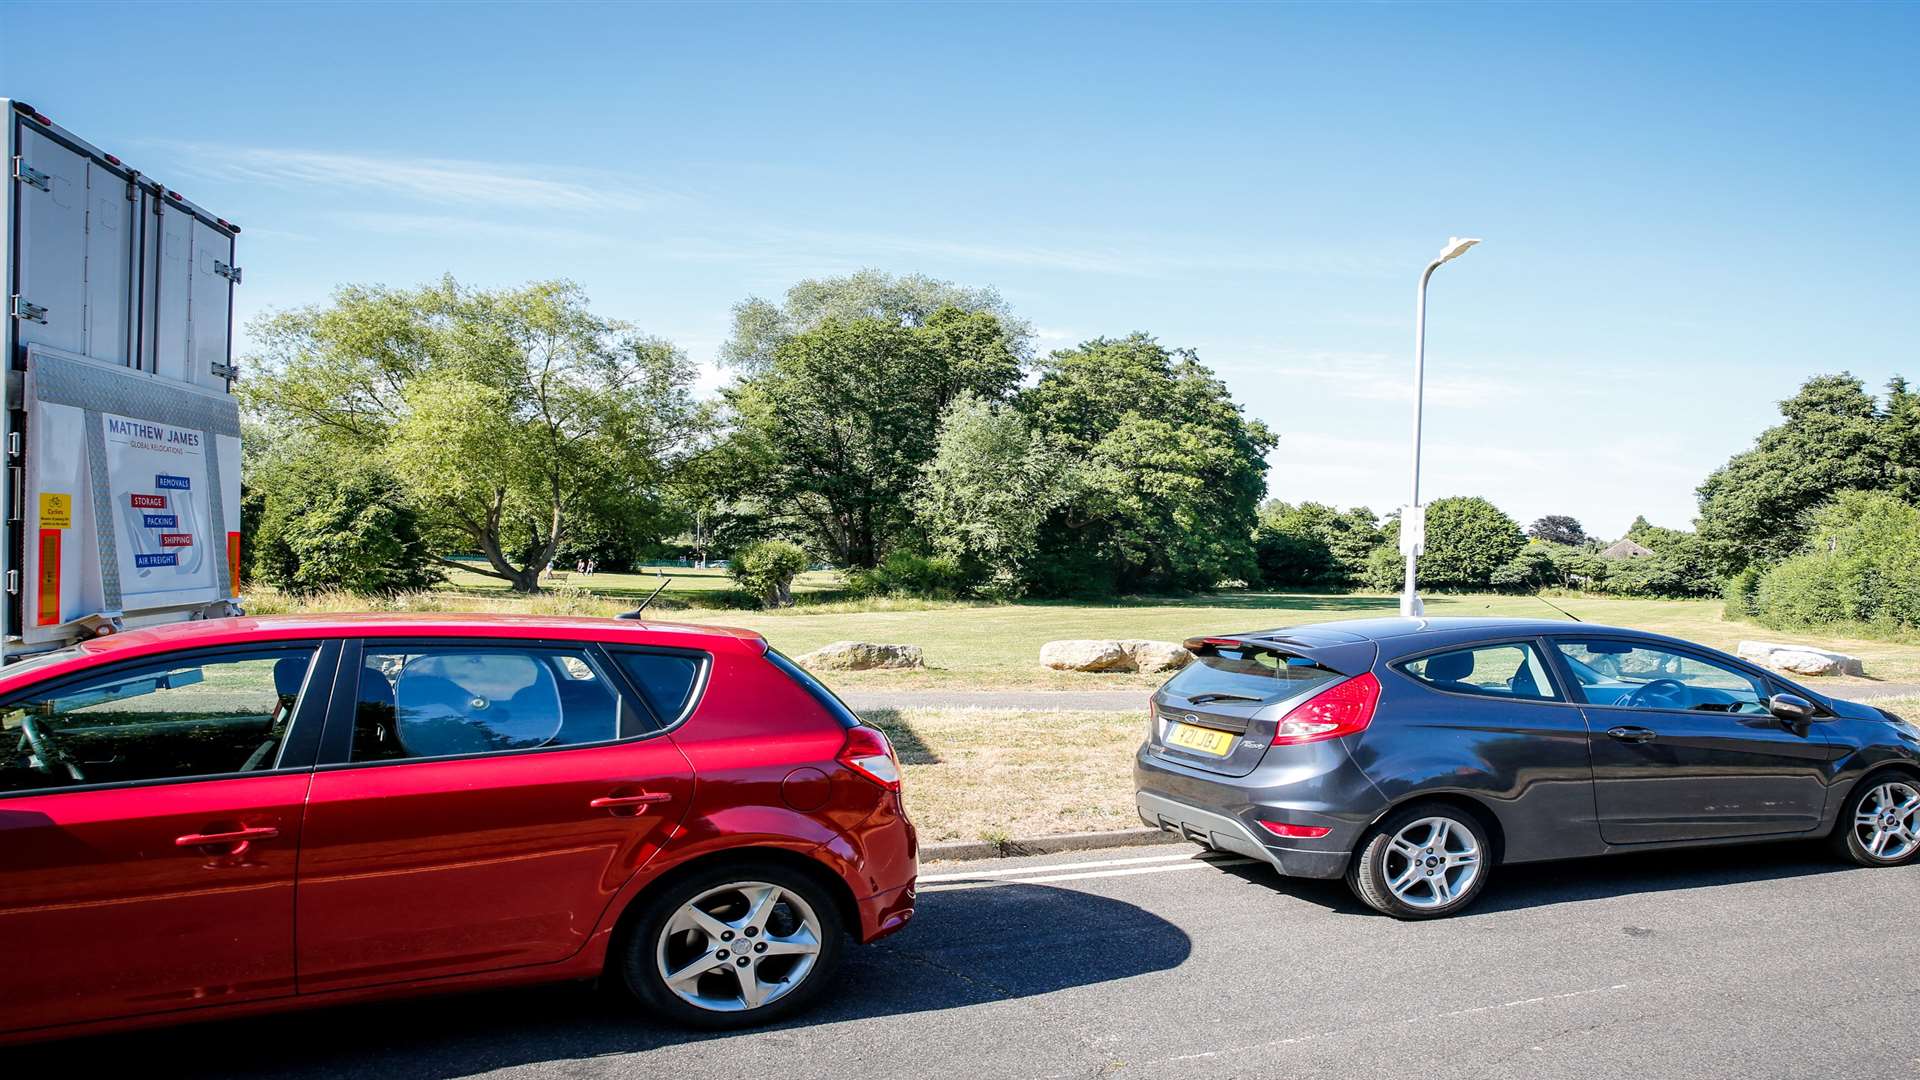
(1055, 868)
(1048, 879)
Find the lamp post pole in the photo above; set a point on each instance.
(1413, 518)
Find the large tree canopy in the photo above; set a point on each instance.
(832, 433)
(1753, 508)
(508, 418)
(1558, 529)
(1173, 472)
(760, 327)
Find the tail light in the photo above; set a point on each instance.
(868, 753)
(1294, 832)
(1344, 708)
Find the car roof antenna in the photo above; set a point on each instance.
(641, 611)
(1536, 596)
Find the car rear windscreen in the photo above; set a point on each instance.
(1227, 674)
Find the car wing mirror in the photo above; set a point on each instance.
(1792, 708)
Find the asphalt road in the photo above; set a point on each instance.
(1750, 962)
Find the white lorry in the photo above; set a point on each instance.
(122, 438)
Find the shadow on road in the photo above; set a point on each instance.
(1530, 885)
(966, 948)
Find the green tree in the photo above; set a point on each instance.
(1172, 471)
(1529, 571)
(908, 301)
(831, 435)
(1313, 544)
(330, 521)
(1861, 563)
(990, 486)
(508, 418)
(1832, 438)
(1558, 529)
(1468, 538)
(767, 569)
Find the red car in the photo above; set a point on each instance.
(242, 815)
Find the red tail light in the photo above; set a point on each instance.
(1344, 708)
(868, 753)
(1294, 832)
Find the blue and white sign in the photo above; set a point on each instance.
(159, 521)
(146, 561)
(174, 483)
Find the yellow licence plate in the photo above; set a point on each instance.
(1205, 740)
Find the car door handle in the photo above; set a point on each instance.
(616, 802)
(237, 836)
(1631, 734)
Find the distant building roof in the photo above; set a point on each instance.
(1626, 549)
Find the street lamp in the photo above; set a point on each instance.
(1413, 520)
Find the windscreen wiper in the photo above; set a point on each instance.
(1201, 699)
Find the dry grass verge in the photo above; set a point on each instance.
(999, 774)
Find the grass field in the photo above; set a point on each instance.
(1072, 770)
(981, 646)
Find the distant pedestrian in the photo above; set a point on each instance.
(580, 566)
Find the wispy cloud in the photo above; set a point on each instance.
(468, 228)
(785, 248)
(1374, 376)
(445, 181)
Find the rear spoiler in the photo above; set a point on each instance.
(1345, 658)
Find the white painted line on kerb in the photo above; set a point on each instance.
(1055, 868)
(1048, 879)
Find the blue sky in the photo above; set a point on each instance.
(1686, 209)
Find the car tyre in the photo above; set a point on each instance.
(1880, 823)
(791, 946)
(1425, 861)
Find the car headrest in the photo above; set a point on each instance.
(462, 703)
(288, 673)
(1450, 667)
(374, 688)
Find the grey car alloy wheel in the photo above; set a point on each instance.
(1431, 862)
(1886, 823)
(739, 946)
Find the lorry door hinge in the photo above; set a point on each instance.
(27, 174)
(13, 582)
(226, 270)
(28, 312)
(13, 444)
(226, 371)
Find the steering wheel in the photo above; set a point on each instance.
(1660, 694)
(45, 751)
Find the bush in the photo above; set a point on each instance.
(906, 574)
(324, 523)
(1861, 564)
(1467, 540)
(1742, 599)
(766, 570)
(1531, 570)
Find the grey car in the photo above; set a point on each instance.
(1413, 756)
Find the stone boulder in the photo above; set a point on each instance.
(1157, 655)
(1086, 656)
(863, 656)
(1127, 655)
(1800, 659)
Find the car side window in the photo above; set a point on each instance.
(187, 716)
(665, 679)
(429, 701)
(1510, 669)
(1628, 675)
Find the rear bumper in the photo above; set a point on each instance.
(1223, 833)
(1224, 813)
